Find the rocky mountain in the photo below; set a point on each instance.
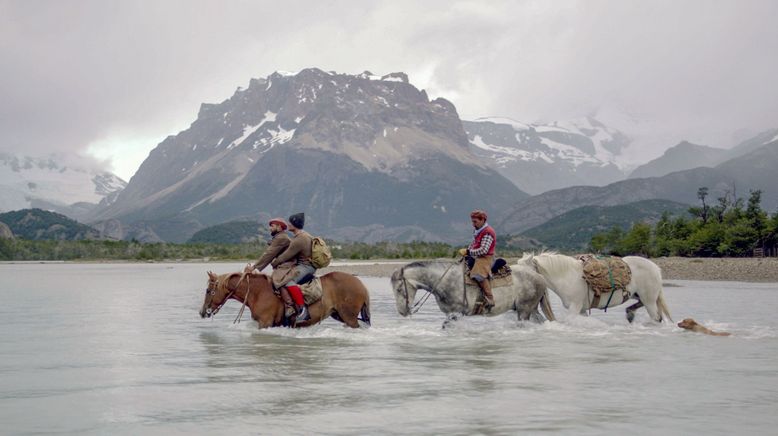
(542, 157)
(38, 224)
(751, 144)
(682, 156)
(64, 184)
(5, 231)
(573, 230)
(754, 170)
(362, 155)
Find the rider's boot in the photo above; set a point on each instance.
(299, 303)
(486, 288)
(288, 303)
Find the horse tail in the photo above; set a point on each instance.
(545, 305)
(364, 313)
(662, 305)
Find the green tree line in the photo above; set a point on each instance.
(728, 227)
(31, 250)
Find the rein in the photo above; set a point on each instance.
(230, 294)
(245, 299)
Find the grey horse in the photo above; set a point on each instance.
(444, 279)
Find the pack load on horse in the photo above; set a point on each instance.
(583, 283)
(342, 297)
(523, 291)
(605, 275)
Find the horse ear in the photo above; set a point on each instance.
(211, 274)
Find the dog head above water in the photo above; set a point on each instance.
(690, 324)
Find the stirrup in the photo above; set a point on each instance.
(303, 315)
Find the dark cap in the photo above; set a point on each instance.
(297, 220)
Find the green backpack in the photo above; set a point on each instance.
(321, 256)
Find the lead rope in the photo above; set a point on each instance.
(245, 299)
(464, 291)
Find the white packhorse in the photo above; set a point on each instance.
(564, 275)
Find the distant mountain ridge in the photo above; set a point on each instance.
(37, 224)
(682, 156)
(542, 157)
(233, 232)
(573, 230)
(755, 170)
(362, 155)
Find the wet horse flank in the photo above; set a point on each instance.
(344, 298)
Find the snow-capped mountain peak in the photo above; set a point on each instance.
(563, 153)
(51, 181)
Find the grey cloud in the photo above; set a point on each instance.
(75, 72)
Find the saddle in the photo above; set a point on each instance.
(605, 274)
(501, 273)
(310, 286)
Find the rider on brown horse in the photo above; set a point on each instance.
(482, 249)
(278, 244)
(297, 258)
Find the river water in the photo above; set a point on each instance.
(120, 349)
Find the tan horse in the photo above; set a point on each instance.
(344, 297)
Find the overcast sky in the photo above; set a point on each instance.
(111, 79)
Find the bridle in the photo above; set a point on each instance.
(212, 292)
(418, 304)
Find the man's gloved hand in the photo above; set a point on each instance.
(463, 252)
(248, 269)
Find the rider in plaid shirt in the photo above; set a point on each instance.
(482, 249)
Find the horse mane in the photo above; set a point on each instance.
(427, 263)
(553, 263)
(222, 280)
(396, 275)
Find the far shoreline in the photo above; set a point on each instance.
(736, 269)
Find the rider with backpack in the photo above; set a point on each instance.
(299, 252)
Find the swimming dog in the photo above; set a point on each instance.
(690, 324)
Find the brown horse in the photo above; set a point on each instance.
(344, 297)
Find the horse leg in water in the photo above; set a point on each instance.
(631, 310)
(348, 317)
(450, 319)
(536, 317)
(653, 310)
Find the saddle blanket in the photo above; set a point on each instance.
(502, 277)
(605, 273)
(312, 291)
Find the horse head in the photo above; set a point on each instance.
(528, 260)
(404, 290)
(216, 294)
